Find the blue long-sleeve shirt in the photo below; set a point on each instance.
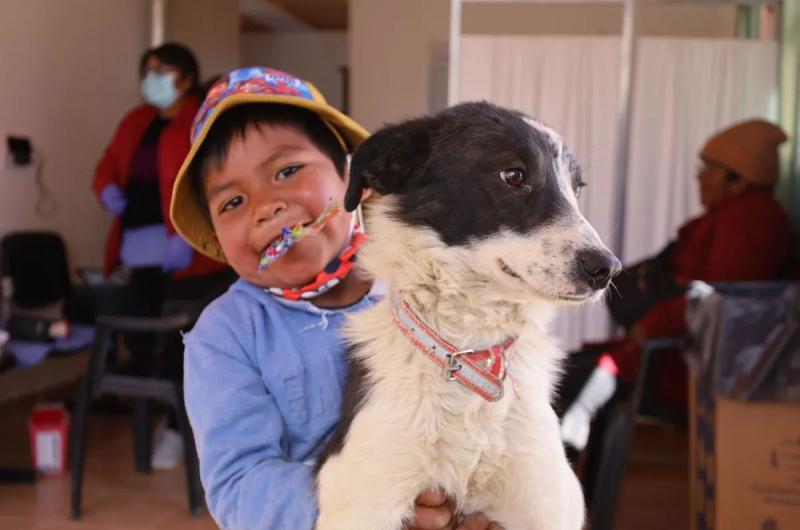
(263, 382)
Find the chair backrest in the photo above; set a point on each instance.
(37, 265)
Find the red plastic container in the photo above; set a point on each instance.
(48, 427)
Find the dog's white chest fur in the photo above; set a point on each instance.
(416, 431)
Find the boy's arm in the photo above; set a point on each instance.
(240, 441)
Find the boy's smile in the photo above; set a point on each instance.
(275, 177)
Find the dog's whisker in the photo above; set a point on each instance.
(614, 286)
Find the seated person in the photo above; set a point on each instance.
(744, 235)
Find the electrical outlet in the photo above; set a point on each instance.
(17, 156)
(19, 152)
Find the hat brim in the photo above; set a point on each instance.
(187, 215)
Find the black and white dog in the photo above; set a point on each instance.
(479, 234)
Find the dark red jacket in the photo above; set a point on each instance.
(173, 146)
(746, 238)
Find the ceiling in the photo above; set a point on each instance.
(318, 14)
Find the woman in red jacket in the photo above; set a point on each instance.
(744, 235)
(135, 176)
(134, 181)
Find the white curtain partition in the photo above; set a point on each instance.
(685, 89)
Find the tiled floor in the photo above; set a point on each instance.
(117, 498)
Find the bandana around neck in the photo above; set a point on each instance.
(329, 277)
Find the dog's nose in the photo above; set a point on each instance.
(599, 266)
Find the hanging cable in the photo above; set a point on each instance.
(46, 204)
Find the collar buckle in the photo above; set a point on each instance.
(451, 364)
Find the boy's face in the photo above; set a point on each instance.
(275, 177)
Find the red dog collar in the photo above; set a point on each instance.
(481, 371)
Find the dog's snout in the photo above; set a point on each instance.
(599, 266)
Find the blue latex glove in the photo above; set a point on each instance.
(113, 199)
(145, 246)
(179, 254)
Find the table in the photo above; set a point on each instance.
(16, 383)
(52, 372)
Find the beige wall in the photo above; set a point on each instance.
(315, 56)
(656, 18)
(210, 28)
(69, 72)
(391, 42)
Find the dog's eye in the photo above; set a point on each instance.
(513, 177)
(578, 188)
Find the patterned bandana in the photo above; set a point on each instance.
(330, 276)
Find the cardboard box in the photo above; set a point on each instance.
(745, 463)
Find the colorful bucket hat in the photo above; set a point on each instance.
(247, 85)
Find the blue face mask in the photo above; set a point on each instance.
(159, 89)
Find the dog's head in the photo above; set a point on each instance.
(496, 192)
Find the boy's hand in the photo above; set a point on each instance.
(478, 521)
(434, 511)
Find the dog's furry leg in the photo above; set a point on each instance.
(536, 487)
(372, 483)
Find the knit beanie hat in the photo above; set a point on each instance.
(750, 149)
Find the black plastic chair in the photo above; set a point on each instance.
(36, 262)
(613, 434)
(141, 389)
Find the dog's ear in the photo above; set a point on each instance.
(388, 160)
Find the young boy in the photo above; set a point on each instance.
(265, 367)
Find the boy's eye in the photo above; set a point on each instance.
(287, 172)
(231, 204)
